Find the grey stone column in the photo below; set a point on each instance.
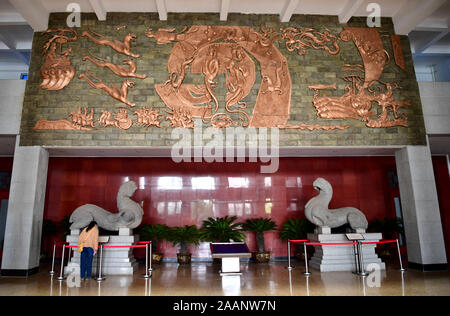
(420, 206)
(22, 245)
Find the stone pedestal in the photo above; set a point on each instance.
(342, 257)
(116, 261)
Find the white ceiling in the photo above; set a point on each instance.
(426, 21)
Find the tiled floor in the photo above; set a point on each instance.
(203, 279)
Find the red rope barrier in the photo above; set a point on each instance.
(351, 243)
(330, 244)
(144, 242)
(129, 246)
(298, 241)
(380, 242)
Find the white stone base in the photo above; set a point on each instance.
(342, 257)
(116, 261)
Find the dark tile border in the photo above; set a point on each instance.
(428, 267)
(19, 273)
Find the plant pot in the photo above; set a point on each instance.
(157, 257)
(261, 257)
(184, 258)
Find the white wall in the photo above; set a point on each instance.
(435, 98)
(11, 99)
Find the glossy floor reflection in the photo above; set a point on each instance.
(203, 279)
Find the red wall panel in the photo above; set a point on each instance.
(6, 165)
(442, 178)
(188, 193)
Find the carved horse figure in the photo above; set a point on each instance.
(116, 69)
(83, 119)
(120, 47)
(118, 94)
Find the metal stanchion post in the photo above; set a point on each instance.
(151, 257)
(307, 286)
(52, 271)
(400, 257)
(361, 260)
(355, 250)
(289, 267)
(306, 260)
(290, 282)
(99, 276)
(61, 274)
(146, 275)
(69, 253)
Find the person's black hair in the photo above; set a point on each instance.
(91, 225)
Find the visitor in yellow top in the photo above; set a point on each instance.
(88, 241)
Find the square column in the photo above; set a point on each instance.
(22, 245)
(420, 207)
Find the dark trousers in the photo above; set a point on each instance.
(86, 262)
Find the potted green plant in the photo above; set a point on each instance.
(259, 226)
(184, 236)
(296, 229)
(155, 234)
(222, 229)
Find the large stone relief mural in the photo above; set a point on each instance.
(232, 51)
(360, 97)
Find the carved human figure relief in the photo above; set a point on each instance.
(57, 70)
